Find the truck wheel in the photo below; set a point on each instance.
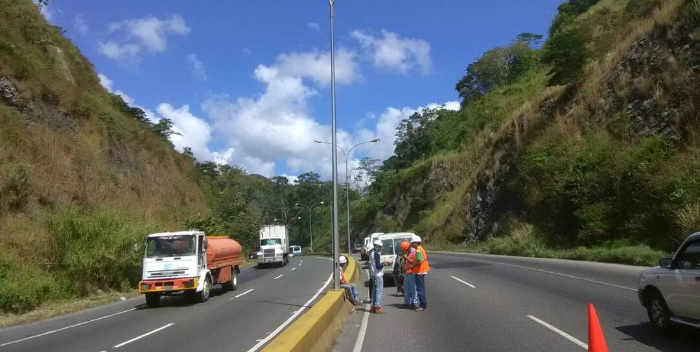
(203, 296)
(231, 284)
(234, 280)
(153, 300)
(659, 314)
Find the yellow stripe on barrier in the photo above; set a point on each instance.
(305, 332)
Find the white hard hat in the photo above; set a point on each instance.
(342, 259)
(415, 239)
(378, 243)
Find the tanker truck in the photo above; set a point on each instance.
(189, 263)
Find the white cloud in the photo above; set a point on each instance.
(44, 10)
(393, 53)
(80, 25)
(313, 65)
(149, 33)
(116, 51)
(196, 67)
(313, 26)
(193, 131)
(277, 126)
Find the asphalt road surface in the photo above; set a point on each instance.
(495, 303)
(240, 320)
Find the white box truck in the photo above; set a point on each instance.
(274, 245)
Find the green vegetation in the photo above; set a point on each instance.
(585, 170)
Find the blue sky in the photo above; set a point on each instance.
(246, 82)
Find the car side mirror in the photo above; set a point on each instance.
(666, 263)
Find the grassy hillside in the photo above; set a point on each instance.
(589, 152)
(82, 177)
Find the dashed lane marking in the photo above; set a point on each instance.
(244, 293)
(464, 282)
(142, 336)
(278, 277)
(561, 333)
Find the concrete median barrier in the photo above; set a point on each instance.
(315, 329)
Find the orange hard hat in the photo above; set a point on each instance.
(405, 245)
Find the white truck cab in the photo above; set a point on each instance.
(671, 291)
(274, 245)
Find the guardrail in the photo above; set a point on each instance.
(315, 329)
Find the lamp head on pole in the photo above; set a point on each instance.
(376, 140)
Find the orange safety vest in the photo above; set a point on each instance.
(342, 275)
(411, 261)
(422, 267)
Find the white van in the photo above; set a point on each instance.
(391, 246)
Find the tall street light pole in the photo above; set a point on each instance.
(336, 249)
(311, 234)
(347, 180)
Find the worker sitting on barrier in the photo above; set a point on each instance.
(350, 287)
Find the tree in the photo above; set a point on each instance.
(566, 53)
(568, 11)
(164, 128)
(309, 177)
(497, 67)
(187, 151)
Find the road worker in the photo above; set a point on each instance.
(369, 249)
(410, 298)
(350, 287)
(420, 268)
(376, 273)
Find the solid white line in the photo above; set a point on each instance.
(65, 328)
(142, 336)
(361, 336)
(278, 277)
(244, 293)
(567, 275)
(288, 321)
(563, 334)
(464, 282)
(363, 326)
(294, 269)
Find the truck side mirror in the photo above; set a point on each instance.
(666, 263)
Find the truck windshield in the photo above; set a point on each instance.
(168, 246)
(270, 241)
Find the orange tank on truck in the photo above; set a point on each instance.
(188, 263)
(222, 249)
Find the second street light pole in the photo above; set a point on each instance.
(336, 237)
(347, 180)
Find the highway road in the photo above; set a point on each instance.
(496, 303)
(240, 320)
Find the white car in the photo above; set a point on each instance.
(671, 291)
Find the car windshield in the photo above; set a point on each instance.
(270, 241)
(170, 246)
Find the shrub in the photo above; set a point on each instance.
(567, 54)
(95, 249)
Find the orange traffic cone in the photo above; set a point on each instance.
(596, 340)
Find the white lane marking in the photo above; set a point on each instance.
(464, 282)
(363, 325)
(294, 269)
(65, 328)
(563, 334)
(244, 293)
(142, 336)
(567, 275)
(288, 321)
(278, 277)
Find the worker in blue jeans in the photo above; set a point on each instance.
(376, 273)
